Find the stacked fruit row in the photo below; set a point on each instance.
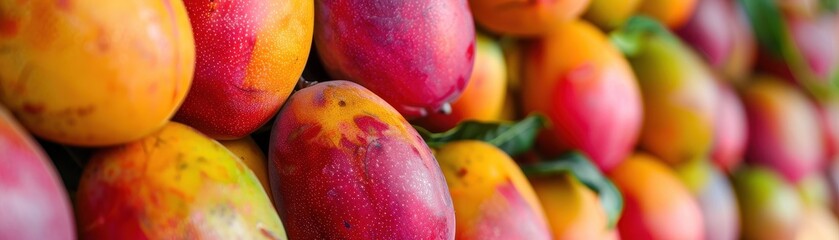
(435, 119)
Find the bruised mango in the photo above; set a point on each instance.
(33, 203)
(249, 57)
(492, 198)
(657, 204)
(344, 164)
(588, 91)
(784, 130)
(679, 92)
(573, 210)
(94, 73)
(525, 18)
(247, 150)
(483, 98)
(175, 183)
(416, 54)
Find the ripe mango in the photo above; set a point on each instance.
(716, 198)
(672, 13)
(573, 210)
(730, 130)
(657, 204)
(173, 184)
(484, 95)
(94, 73)
(250, 54)
(769, 207)
(344, 164)
(492, 198)
(525, 18)
(33, 203)
(415, 54)
(576, 78)
(250, 153)
(784, 130)
(610, 14)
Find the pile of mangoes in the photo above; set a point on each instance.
(419, 119)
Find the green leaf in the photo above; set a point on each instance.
(829, 5)
(578, 165)
(767, 24)
(630, 37)
(513, 137)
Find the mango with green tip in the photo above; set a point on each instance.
(345, 164)
(173, 184)
(784, 130)
(94, 73)
(678, 90)
(770, 208)
(492, 198)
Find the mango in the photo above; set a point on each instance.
(818, 223)
(94, 73)
(525, 18)
(679, 95)
(719, 32)
(610, 14)
(813, 59)
(769, 206)
(484, 96)
(730, 130)
(492, 198)
(417, 54)
(250, 154)
(671, 13)
(828, 111)
(656, 204)
(588, 91)
(33, 203)
(784, 131)
(173, 184)
(716, 198)
(573, 210)
(250, 55)
(344, 164)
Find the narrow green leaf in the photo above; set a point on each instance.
(578, 165)
(767, 24)
(513, 137)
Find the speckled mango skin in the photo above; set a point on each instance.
(680, 95)
(343, 164)
(173, 184)
(249, 56)
(94, 73)
(492, 198)
(415, 54)
(588, 91)
(33, 198)
(784, 131)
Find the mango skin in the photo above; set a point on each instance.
(679, 95)
(344, 164)
(250, 55)
(829, 120)
(417, 55)
(484, 96)
(730, 130)
(784, 130)
(588, 91)
(173, 184)
(250, 153)
(573, 210)
(135, 58)
(610, 14)
(33, 199)
(671, 13)
(492, 198)
(716, 198)
(525, 18)
(769, 206)
(656, 204)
